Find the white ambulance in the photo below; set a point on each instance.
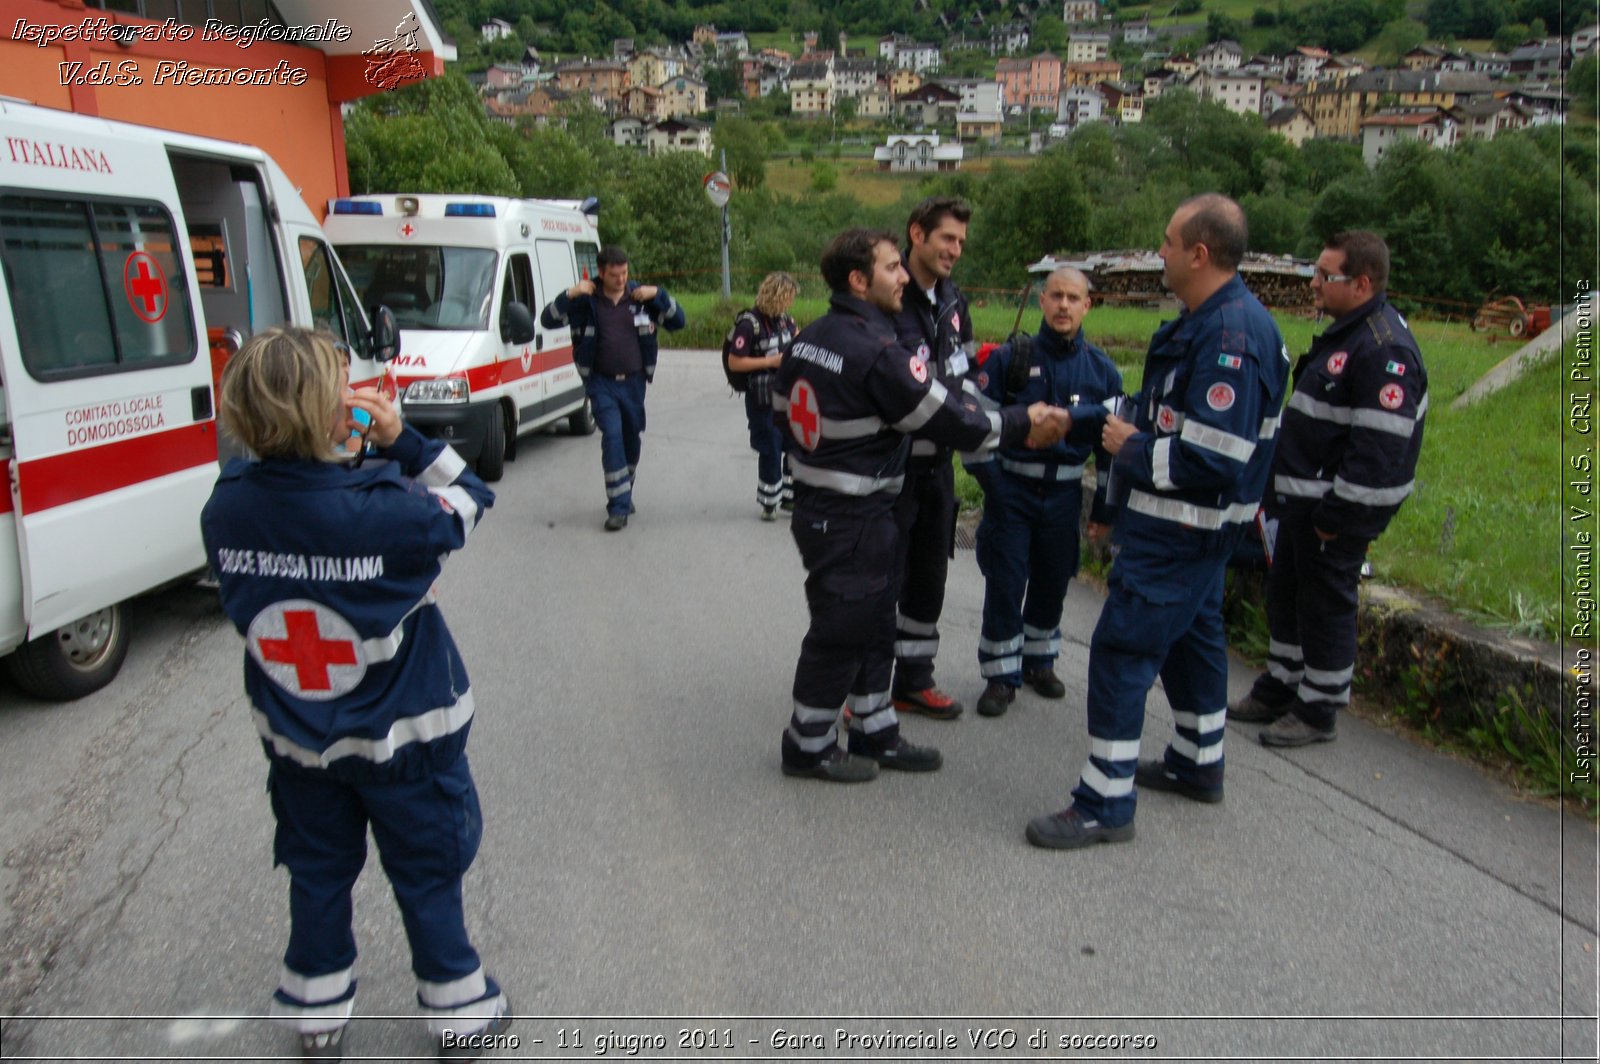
(135, 261)
(466, 277)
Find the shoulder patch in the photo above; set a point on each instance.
(1336, 362)
(738, 342)
(1396, 368)
(1391, 396)
(919, 370)
(1229, 361)
(1220, 397)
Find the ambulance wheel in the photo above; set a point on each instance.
(582, 422)
(75, 660)
(492, 462)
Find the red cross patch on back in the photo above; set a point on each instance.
(805, 417)
(307, 649)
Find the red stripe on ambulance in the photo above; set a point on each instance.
(72, 476)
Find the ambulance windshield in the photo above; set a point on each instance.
(426, 287)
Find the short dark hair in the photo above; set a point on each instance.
(1219, 224)
(612, 255)
(935, 209)
(851, 250)
(1365, 255)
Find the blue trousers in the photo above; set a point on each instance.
(926, 515)
(427, 833)
(766, 439)
(1028, 554)
(1163, 616)
(619, 411)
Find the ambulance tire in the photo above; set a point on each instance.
(582, 422)
(75, 660)
(492, 461)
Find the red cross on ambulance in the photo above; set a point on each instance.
(307, 649)
(146, 286)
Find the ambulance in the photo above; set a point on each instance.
(466, 277)
(135, 260)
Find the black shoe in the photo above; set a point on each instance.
(464, 1048)
(323, 1045)
(930, 702)
(787, 506)
(616, 522)
(995, 698)
(1071, 830)
(1251, 710)
(836, 766)
(1156, 776)
(901, 755)
(1045, 682)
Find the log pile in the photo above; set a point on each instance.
(1135, 277)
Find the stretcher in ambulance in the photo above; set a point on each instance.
(135, 260)
(466, 277)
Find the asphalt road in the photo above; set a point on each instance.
(646, 869)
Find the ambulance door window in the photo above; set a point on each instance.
(334, 307)
(588, 260)
(519, 281)
(97, 285)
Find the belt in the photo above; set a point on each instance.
(620, 376)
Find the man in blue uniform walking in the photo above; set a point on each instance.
(614, 347)
(1190, 469)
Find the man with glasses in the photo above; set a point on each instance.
(1346, 460)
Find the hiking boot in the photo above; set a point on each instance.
(901, 755)
(836, 766)
(464, 1048)
(616, 522)
(930, 702)
(769, 513)
(1045, 682)
(1156, 776)
(1290, 730)
(322, 1045)
(1071, 830)
(995, 698)
(1251, 710)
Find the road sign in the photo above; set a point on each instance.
(718, 188)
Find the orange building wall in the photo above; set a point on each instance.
(300, 126)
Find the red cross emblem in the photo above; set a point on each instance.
(1336, 362)
(919, 370)
(1166, 419)
(307, 649)
(408, 230)
(146, 286)
(1391, 396)
(1220, 397)
(805, 418)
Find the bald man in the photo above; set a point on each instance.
(1033, 499)
(1190, 468)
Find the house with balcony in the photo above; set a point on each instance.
(917, 152)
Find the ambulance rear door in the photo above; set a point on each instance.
(106, 373)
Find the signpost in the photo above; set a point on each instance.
(719, 190)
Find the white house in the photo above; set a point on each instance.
(1391, 126)
(912, 152)
(1085, 47)
(1220, 56)
(1239, 93)
(495, 29)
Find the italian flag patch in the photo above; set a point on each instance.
(1230, 361)
(1398, 369)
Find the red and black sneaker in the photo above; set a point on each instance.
(930, 702)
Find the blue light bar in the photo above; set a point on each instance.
(346, 206)
(469, 210)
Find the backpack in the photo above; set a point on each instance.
(739, 382)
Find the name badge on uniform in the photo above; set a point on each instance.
(959, 364)
(1035, 371)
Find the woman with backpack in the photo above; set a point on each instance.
(750, 355)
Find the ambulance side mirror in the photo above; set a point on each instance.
(384, 340)
(516, 323)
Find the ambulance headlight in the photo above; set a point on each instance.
(439, 390)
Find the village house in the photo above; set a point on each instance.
(917, 152)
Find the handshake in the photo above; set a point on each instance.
(1048, 425)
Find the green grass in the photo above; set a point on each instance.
(1481, 532)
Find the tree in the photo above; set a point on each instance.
(1220, 27)
(1049, 35)
(1584, 81)
(723, 81)
(746, 146)
(1398, 38)
(824, 178)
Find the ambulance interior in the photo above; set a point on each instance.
(427, 286)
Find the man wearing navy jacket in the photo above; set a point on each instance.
(1346, 460)
(1190, 470)
(614, 347)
